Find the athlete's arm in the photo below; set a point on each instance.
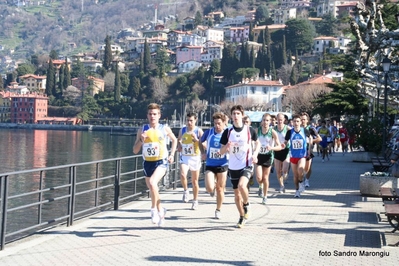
(173, 139)
(138, 143)
(179, 140)
(277, 145)
(224, 142)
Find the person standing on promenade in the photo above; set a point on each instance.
(324, 134)
(237, 140)
(316, 139)
(190, 157)
(216, 164)
(269, 142)
(281, 158)
(152, 138)
(298, 138)
(343, 138)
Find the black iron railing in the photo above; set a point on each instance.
(36, 199)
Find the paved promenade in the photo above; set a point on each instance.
(329, 221)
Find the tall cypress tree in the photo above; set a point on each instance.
(67, 75)
(261, 37)
(284, 51)
(61, 80)
(50, 79)
(252, 58)
(107, 53)
(147, 56)
(251, 33)
(117, 84)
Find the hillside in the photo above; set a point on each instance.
(36, 29)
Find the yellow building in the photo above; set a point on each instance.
(34, 82)
(5, 107)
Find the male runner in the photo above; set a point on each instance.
(216, 164)
(190, 157)
(237, 140)
(152, 139)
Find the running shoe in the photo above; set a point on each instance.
(260, 192)
(161, 215)
(307, 183)
(282, 189)
(154, 216)
(301, 187)
(297, 194)
(264, 200)
(246, 210)
(195, 205)
(186, 195)
(218, 214)
(241, 222)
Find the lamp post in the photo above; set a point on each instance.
(378, 99)
(386, 64)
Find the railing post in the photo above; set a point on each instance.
(4, 196)
(117, 185)
(72, 194)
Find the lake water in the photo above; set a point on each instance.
(23, 149)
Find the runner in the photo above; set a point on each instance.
(316, 139)
(324, 134)
(269, 142)
(190, 157)
(343, 138)
(237, 141)
(151, 138)
(281, 158)
(216, 164)
(298, 138)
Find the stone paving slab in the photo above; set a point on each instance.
(331, 224)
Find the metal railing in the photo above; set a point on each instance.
(35, 199)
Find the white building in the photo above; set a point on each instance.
(264, 92)
(211, 53)
(320, 43)
(188, 66)
(282, 15)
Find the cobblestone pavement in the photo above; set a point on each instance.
(331, 224)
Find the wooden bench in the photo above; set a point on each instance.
(382, 164)
(388, 194)
(392, 213)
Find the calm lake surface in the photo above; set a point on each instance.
(24, 149)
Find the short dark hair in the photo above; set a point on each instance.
(192, 114)
(237, 107)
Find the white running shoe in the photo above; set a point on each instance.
(297, 194)
(154, 216)
(282, 189)
(186, 195)
(301, 187)
(162, 217)
(307, 183)
(264, 200)
(218, 214)
(195, 205)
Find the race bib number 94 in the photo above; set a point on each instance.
(297, 144)
(151, 149)
(187, 149)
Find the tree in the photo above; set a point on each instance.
(134, 87)
(117, 85)
(25, 68)
(299, 35)
(162, 62)
(215, 67)
(159, 89)
(327, 25)
(67, 75)
(261, 13)
(50, 79)
(146, 57)
(53, 55)
(229, 62)
(197, 19)
(61, 79)
(107, 60)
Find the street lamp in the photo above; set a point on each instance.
(386, 64)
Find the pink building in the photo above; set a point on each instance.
(239, 34)
(187, 53)
(28, 108)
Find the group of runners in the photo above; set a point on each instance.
(236, 151)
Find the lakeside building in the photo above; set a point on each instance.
(28, 108)
(5, 103)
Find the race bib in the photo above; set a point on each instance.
(187, 149)
(214, 153)
(297, 144)
(263, 149)
(151, 149)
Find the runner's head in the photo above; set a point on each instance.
(237, 112)
(305, 119)
(191, 119)
(153, 113)
(266, 120)
(218, 121)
